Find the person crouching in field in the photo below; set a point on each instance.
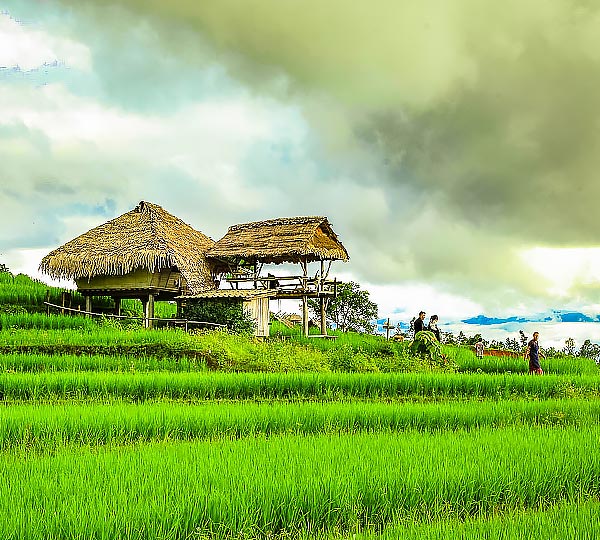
(433, 326)
(533, 351)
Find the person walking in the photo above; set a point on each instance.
(533, 352)
(433, 326)
(419, 324)
(479, 349)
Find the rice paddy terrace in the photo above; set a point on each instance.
(111, 432)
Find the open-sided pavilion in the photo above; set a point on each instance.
(238, 259)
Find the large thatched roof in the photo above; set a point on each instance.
(281, 240)
(147, 237)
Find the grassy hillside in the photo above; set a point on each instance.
(21, 294)
(108, 430)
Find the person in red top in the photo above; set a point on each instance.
(533, 352)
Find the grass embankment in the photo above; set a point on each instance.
(136, 348)
(217, 350)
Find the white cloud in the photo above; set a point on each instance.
(25, 47)
(564, 267)
(26, 261)
(66, 118)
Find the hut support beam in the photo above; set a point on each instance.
(117, 301)
(304, 316)
(88, 305)
(323, 319)
(304, 265)
(149, 312)
(144, 302)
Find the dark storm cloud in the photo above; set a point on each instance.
(477, 122)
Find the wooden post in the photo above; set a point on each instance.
(320, 286)
(47, 299)
(117, 305)
(304, 316)
(150, 313)
(88, 305)
(323, 316)
(144, 302)
(304, 264)
(388, 327)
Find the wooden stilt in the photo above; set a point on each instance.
(117, 305)
(145, 311)
(323, 316)
(150, 311)
(304, 316)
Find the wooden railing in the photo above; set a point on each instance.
(182, 323)
(286, 283)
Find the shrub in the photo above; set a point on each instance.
(231, 314)
(427, 346)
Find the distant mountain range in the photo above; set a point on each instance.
(553, 316)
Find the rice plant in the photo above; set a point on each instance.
(194, 386)
(563, 521)
(468, 362)
(290, 485)
(48, 428)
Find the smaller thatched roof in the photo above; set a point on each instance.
(281, 240)
(147, 237)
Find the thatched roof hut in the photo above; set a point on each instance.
(146, 238)
(293, 240)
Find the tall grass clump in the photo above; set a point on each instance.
(40, 321)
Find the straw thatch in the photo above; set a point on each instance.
(147, 237)
(281, 240)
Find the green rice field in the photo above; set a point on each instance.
(128, 447)
(109, 432)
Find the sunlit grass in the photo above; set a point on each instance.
(46, 427)
(256, 487)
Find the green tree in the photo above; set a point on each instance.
(474, 339)
(4, 268)
(523, 339)
(351, 309)
(448, 338)
(231, 314)
(569, 348)
(589, 350)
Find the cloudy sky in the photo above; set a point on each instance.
(454, 146)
